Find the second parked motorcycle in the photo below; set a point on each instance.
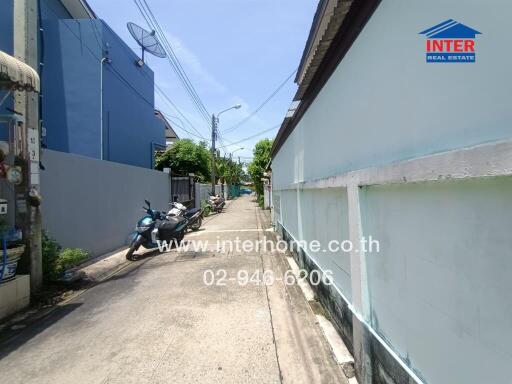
(216, 203)
(194, 215)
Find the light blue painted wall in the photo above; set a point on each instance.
(440, 286)
(318, 208)
(290, 212)
(384, 103)
(319, 215)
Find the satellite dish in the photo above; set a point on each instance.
(147, 40)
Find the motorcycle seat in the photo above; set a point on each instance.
(171, 223)
(191, 212)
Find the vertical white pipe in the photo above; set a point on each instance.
(101, 107)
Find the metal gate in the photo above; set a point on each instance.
(183, 190)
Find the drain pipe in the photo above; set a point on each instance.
(107, 60)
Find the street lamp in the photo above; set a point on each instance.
(215, 121)
(236, 150)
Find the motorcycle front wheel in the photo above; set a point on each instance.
(197, 225)
(135, 245)
(179, 238)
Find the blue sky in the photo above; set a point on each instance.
(234, 51)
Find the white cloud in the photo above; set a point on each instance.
(192, 64)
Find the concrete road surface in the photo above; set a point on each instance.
(157, 321)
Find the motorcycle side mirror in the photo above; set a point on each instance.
(148, 203)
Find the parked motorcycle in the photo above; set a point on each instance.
(194, 215)
(155, 226)
(216, 203)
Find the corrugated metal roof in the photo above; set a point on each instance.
(329, 18)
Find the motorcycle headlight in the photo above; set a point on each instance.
(142, 229)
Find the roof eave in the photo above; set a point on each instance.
(340, 41)
(79, 9)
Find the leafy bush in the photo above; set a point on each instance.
(205, 207)
(71, 257)
(261, 201)
(50, 250)
(56, 260)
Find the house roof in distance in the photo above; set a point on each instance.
(170, 133)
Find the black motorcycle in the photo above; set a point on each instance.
(194, 215)
(155, 227)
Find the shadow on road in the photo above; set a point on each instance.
(12, 339)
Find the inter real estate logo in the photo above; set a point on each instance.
(450, 42)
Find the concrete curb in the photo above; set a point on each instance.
(101, 267)
(338, 347)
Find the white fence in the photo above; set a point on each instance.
(93, 204)
(442, 223)
(203, 192)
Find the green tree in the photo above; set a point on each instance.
(186, 157)
(222, 169)
(228, 171)
(257, 166)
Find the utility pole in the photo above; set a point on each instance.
(214, 137)
(28, 216)
(230, 174)
(215, 121)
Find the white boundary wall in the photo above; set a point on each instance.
(94, 204)
(421, 158)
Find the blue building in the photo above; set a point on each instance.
(96, 101)
(6, 45)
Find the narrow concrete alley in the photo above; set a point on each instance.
(159, 321)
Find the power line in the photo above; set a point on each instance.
(255, 135)
(170, 102)
(275, 92)
(126, 82)
(172, 58)
(222, 145)
(177, 61)
(223, 140)
(179, 126)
